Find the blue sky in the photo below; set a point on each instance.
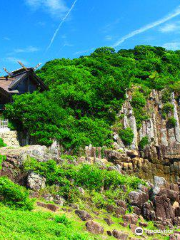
(34, 31)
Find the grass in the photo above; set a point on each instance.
(38, 225)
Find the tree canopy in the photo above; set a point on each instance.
(86, 93)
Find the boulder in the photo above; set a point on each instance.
(121, 203)
(173, 195)
(138, 198)
(119, 211)
(94, 227)
(130, 218)
(49, 206)
(83, 215)
(133, 228)
(59, 200)
(108, 221)
(36, 181)
(148, 211)
(120, 235)
(163, 207)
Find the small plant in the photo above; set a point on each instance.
(63, 219)
(2, 158)
(2, 144)
(144, 141)
(127, 136)
(171, 123)
(167, 108)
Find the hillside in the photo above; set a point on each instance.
(103, 150)
(87, 93)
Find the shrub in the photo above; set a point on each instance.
(14, 195)
(127, 136)
(2, 144)
(63, 219)
(166, 96)
(138, 102)
(2, 158)
(168, 108)
(144, 141)
(171, 123)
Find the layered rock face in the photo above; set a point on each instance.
(161, 157)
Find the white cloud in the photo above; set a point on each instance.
(171, 27)
(85, 51)
(15, 60)
(55, 7)
(108, 38)
(29, 49)
(61, 23)
(172, 46)
(7, 38)
(148, 27)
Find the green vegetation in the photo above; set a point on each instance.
(14, 195)
(90, 177)
(16, 224)
(171, 123)
(138, 103)
(2, 144)
(166, 96)
(85, 94)
(167, 108)
(2, 158)
(144, 142)
(127, 136)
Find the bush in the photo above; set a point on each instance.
(166, 96)
(168, 108)
(14, 195)
(2, 144)
(171, 123)
(127, 136)
(2, 158)
(63, 219)
(144, 141)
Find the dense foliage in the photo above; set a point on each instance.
(144, 142)
(86, 93)
(90, 177)
(127, 136)
(14, 195)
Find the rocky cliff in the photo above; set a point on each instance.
(161, 156)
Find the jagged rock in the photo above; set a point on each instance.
(109, 233)
(49, 206)
(119, 211)
(130, 218)
(163, 207)
(59, 200)
(36, 181)
(94, 227)
(83, 215)
(138, 198)
(143, 224)
(148, 211)
(121, 203)
(177, 212)
(173, 195)
(120, 235)
(108, 221)
(48, 197)
(137, 210)
(132, 153)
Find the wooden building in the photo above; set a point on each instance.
(21, 81)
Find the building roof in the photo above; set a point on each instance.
(7, 83)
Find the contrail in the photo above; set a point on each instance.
(61, 23)
(147, 27)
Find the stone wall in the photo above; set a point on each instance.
(10, 138)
